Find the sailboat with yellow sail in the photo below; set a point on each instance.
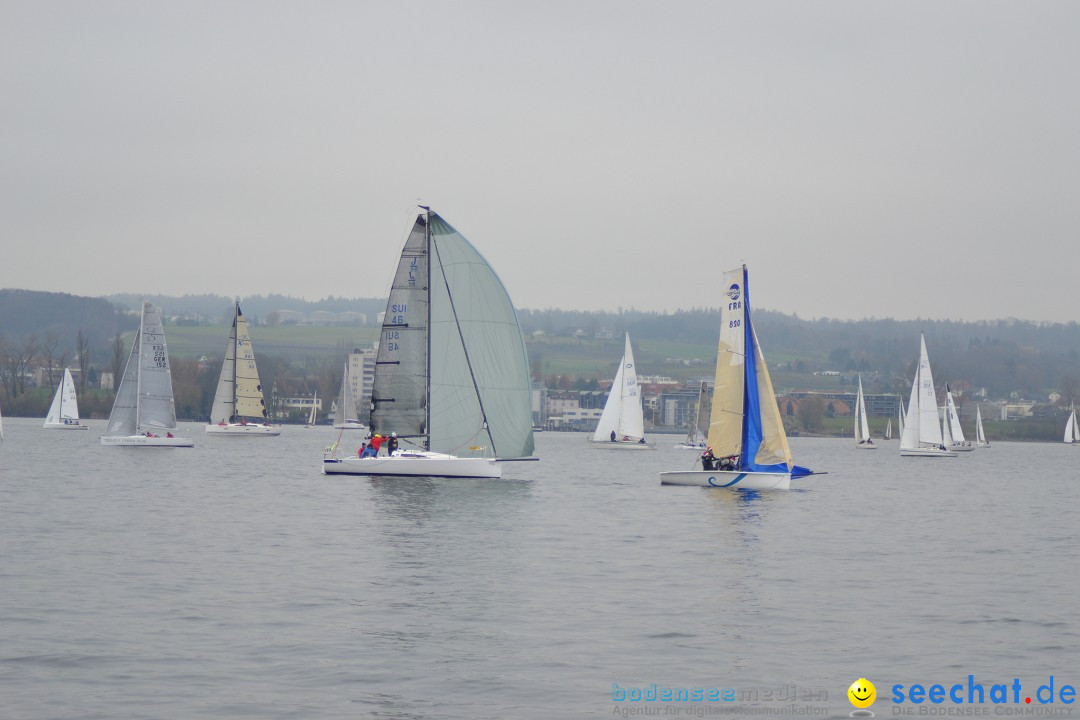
(746, 432)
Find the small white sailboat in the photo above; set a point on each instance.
(64, 411)
(746, 430)
(901, 411)
(622, 423)
(699, 428)
(451, 373)
(1072, 430)
(314, 410)
(863, 441)
(888, 430)
(239, 409)
(143, 413)
(345, 417)
(956, 433)
(980, 435)
(921, 436)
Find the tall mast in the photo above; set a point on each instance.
(138, 369)
(427, 385)
(236, 356)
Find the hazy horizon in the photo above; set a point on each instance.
(902, 161)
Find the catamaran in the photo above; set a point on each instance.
(143, 413)
(622, 423)
(451, 372)
(699, 428)
(64, 411)
(956, 433)
(1072, 430)
(239, 408)
(863, 440)
(921, 436)
(746, 431)
(980, 435)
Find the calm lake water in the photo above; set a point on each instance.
(236, 581)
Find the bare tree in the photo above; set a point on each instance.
(47, 355)
(82, 350)
(117, 347)
(16, 362)
(810, 412)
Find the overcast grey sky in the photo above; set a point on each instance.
(903, 159)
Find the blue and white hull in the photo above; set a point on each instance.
(730, 479)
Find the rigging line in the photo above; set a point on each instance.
(461, 335)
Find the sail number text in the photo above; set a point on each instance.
(159, 357)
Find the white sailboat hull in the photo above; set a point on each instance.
(65, 426)
(617, 445)
(239, 430)
(926, 452)
(143, 441)
(865, 446)
(349, 425)
(731, 479)
(415, 464)
(687, 446)
(962, 447)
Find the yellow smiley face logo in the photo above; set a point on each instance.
(862, 693)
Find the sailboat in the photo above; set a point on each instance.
(900, 411)
(888, 430)
(921, 436)
(143, 413)
(980, 436)
(314, 410)
(862, 428)
(239, 408)
(451, 372)
(956, 433)
(745, 429)
(1072, 430)
(622, 423)
(345, 417)
(64, 411)
(695, 436)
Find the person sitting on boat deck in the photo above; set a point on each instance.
(612, 436)
(391, 444)
(168, 435)
(369, 452)
(376, 442)
(731, 462)
(360, 451)
(641, 441)
(708, 460)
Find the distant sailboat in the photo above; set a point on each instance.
(901, 411)
(956, 433)
(64, 411)
(862, 427)
(980, 436)
(888, 430)
(314, 410)
(451, 374)
(239, 408)
(746, 431)
(144, 410)
(1072, 430)
(699, 428)
(346, 417)
(921, 436)
(622, 423)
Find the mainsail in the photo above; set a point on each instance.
(239, 392)
(955, 431)
(65, 405)
(145, 398)
(862, 427)
(451, 370)
(745, 418)
(921, 426)
(622, 413)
